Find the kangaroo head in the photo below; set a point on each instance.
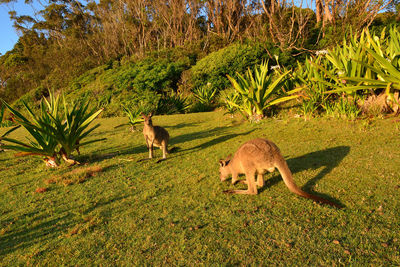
(224, 170)
(147, 118)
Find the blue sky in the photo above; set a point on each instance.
(8, 35)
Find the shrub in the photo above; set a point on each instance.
(134, 116)
(204, 98)
(258, 91)
(54, 134)
(139, 83)
(213, 68)
(172, 103)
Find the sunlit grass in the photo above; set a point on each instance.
(115, 210)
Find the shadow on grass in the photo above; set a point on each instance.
(39, 229)
(196, 135)
(205, 145)
(217, 140)
(175, 140)
(182, 125)
(328, 158)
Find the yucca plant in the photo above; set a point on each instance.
(41, 143)
(205, 94)
(75, 127)
(2, 124)
(347, 58)
(258, 91)
(230, 102)
(134, 116)
(54, 134)
(385, 66)
(172, 103)
(307, 76)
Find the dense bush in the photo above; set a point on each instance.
(133, 83)
(212, 69)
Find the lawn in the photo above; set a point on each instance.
(115, 210)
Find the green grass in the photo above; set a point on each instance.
(128, 212)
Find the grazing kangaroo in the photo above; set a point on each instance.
(155, 135)
(255, 157)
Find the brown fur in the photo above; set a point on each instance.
(256, 157)
(155, 136)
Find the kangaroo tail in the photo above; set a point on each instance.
(288, 179)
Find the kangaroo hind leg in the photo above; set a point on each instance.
(260, 180)
(164, 149)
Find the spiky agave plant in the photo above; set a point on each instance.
(53, 134)
(75, 127)
(205, 94)
(258, 90)
(133, 116)
(384, 64)
(2, 109)
(230, 101)
(41, 141)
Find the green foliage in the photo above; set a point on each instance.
(70, 129)
(205, 94)
(172, 103)
(231, 101)
(14, 60)
(139, 83)
(55, 134)
(205, 98)
(4, 123)
(344, 107)
(213, 68)
(39, 128)
(312, 81)
(134, 115)
(381, 70)
(258, 91)
(353, 70)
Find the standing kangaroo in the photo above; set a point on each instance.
(256, 157)
(155, 135)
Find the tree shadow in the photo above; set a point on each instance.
(328, 158)
(205, 145)
(216, 141)
(28, 234)
(196, 135)
(139, 149)
(41, 230)
(182, 125)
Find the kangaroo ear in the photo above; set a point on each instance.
(143, 115)
(221, 162)
(151, 114)
(228, 158)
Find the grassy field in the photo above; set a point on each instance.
(115, 210)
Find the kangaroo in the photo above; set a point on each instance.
(155, 135)
(256, 157)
